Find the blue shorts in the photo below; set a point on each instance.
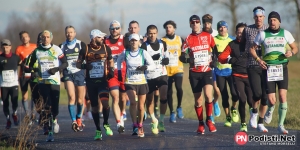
(77, 78)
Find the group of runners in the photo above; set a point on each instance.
(136, 68)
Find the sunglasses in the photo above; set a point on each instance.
(116, 28)
(195, 22)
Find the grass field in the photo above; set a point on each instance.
(292, 120)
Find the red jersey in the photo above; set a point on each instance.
(199, 47)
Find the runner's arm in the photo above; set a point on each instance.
(109, 58)
(166, 54)
(253, 48)
(291, 41)
(63, 59)
(30, 62)
(223, 57)
(81, 58)
(120, 59)
(184, 51)
(150, 63)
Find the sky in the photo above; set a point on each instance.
(146, 12)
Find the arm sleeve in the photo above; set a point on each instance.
(120, 60)
(224, 55)
(243, 40)
(81, 56)
(62, 58)
(166, 54)
(185, 46)
(30, 62)
(149, 61)
(143, 46)
(108, 50)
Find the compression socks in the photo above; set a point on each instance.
(96, 120)
(106, 115)
(153, 117)
(282, 112)
(79, 110)
(260, 120)
(72, 112)
(25, 105)
(208, 108)
(271, 107)
(199, 112)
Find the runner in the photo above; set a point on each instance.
(117, 89)
(23, 51)
(274, 64)
(137, 62)
(157, 78)
(223, 75)
(99, 68)
(233, 55)
(134, 28)
(200, 47)
(255, 75)
(50, 60)
(73, 77)
(174, 69)
(207, 27)
(9, 81)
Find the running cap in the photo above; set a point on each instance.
(258, 11)
(5, 42)
(274, 14)
(222, 23)
(115, 22)
(96, 33)
(134, 36)
(194, 17)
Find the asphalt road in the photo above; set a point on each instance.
(179, 135)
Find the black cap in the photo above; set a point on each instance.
(194, 17)
(274, 14)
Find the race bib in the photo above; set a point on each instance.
(115, 57)
(134, 76)
(45, 66)
(98, 70)
(72, 66)
(8, 75)
(201, 58)
(173, 59)
(275, 73)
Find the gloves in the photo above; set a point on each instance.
(156, 56)
(34, 75)
(232, 60)
(165, 61)
(89, 66)
(120, 76)
(184, 60)
(141, 68)
(52, 71)
(110, 73)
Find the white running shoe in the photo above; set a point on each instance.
(261, 128)
(282, 130)
(55, 126)
(268, 117)
(253, 119)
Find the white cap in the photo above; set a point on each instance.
(96, 33)
(134, 36)
(115, 22)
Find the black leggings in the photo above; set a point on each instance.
(258, 84)
(35, 95)
(50, 94)
(242, 87)
(221, 82)
(177, 78)
(13, 93)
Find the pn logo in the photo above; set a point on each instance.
(241, 138)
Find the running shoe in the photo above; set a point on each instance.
(141, 132)
(268, 117)
(261, 128)
(211, 126)
(217, 111)
(228, 122)
(282, 130)
(55, 126)
(173, 117)
(235, 116)
(50, 137)
(161, 127)
(120, 128)
(108, 131)
(80, 124)
(156, 111)
(243, 127)
(134, 130)
(212, 118)
(253, 119)
(8, 124)
(154, 128)
(74, 126)
(124, 117)
(179, 113)
(201, 128)
(98, 135)
(16, 120)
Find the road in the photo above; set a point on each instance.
(179, 135)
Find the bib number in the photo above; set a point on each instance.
(173, 59)
(45, 66)
(8, 75)
(115, 57)
(275, 73)
(201, 58)
(72, 66)
(98, 70)
(134, 76)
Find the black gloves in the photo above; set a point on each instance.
(34, 75)
(52, 71)
(141, 68)
(165, 61)
(232, 60)
(89, 67)
(111, 73)
(120, 76)
(156, 56)
(183, 59)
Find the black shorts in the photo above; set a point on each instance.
(156, 83)
(77, 78)
(97, 89)
(283, 84)
(199, 79)
(24, 82)
(140, 89)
